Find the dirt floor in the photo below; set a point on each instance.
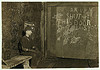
(67, 63)
(64, 63)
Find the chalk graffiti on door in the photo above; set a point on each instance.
(70, 19)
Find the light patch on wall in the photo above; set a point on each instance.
(75, 39)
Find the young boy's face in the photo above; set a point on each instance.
(29, 32)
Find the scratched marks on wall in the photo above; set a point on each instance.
(11, 29)
(14, 15)
(71, 19)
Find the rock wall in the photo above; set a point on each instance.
(14, 15)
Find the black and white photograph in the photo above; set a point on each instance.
(49, 35)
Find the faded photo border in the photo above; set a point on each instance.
(50, 1)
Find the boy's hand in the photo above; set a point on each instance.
(26, 49)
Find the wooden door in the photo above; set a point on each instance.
(72, 30)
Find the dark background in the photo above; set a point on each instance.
(14, 15)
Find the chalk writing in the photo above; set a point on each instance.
(73, 19)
